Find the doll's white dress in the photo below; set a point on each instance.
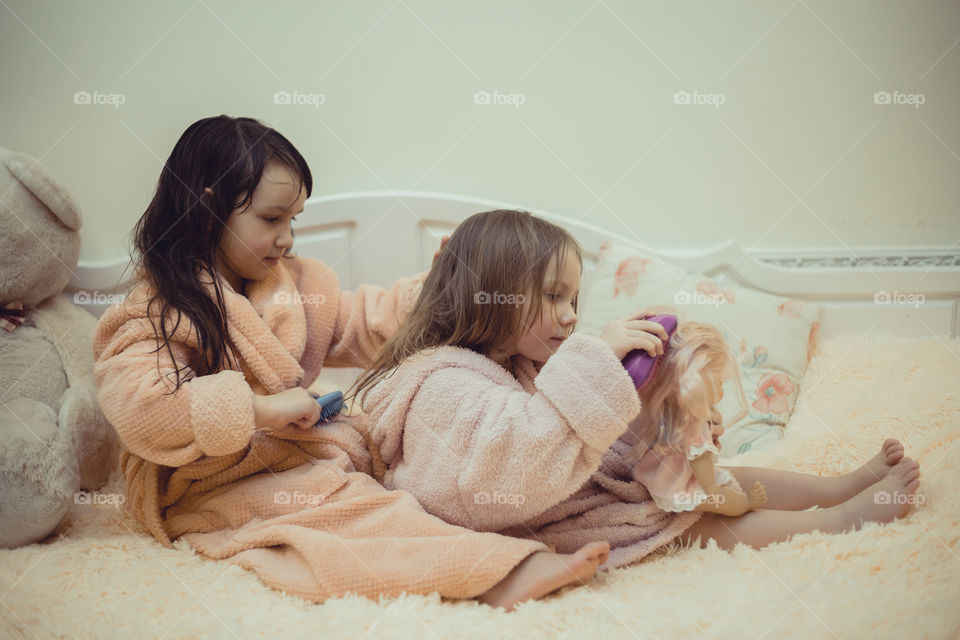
(670, 479)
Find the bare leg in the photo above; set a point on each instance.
(757, 529)
(543, 572)
(792, 491)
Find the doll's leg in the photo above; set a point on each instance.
(731, 501)
(792, 491)
(760, 528)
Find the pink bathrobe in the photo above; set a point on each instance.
(539, 455)
(297, 506)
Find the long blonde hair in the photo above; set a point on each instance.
(474, 294)
(680, 397)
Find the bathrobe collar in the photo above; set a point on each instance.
(267, 328)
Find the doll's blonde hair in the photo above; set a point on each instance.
(681, 396)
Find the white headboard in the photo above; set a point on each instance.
(376, 237)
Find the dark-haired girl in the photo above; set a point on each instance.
(203, 370)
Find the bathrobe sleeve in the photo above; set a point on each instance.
(367, 318)
(514, 454)
(209, 415)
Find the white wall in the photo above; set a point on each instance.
(598, 133)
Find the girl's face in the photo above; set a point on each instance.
(254, 238)
(557, 316)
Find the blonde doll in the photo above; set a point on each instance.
(678, 427)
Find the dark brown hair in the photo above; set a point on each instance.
(213, 169)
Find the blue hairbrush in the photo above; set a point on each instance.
(332, 404)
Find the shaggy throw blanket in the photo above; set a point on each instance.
(102, 576)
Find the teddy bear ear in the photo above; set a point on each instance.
(35, 177)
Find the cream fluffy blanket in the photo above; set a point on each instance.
(102, 576)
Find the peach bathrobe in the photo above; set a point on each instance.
(539, 454)
(296, 506)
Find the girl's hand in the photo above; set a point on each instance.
(297, 406)
(436, 254)
(629, 333)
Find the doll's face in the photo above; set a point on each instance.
(714, 378)
(718, 393)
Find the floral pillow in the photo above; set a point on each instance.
(772, 337)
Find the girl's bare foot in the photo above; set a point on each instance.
(543, 572)
(885, 500)
(890, 454)
(875, 469)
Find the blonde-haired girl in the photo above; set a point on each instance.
(496, 416)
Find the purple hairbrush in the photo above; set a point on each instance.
(640, 364)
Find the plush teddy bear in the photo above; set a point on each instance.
(54, 440)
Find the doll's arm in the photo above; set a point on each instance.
(705, 473)
(725, 500)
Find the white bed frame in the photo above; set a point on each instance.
(376, 237)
